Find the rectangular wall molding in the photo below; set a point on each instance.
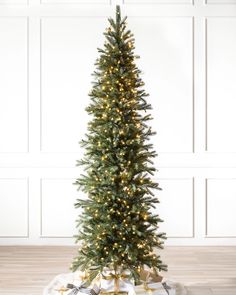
(14, 108)
(218, 39)
(177, 204)
(14, 2)
(56, 68)
(220, 208)
(57, 212)
(14, 208)
(220, 2)
(174, 53)
(91, 2)
(168, 2)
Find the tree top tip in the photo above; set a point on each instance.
(118, 12)
(117, 9)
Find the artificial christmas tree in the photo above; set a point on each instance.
(117, 230)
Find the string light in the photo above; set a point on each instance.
(120, 106)
(145, 216)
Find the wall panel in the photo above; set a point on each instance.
(222, 2)
(221, 84)
(67, 58)
(75, 2)
(220, 207)
(57, 208)
(13, 208)
(158, 2)
(14, 84)
(166, 49)
(6, 2)
(177, 207)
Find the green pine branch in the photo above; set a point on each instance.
(117, 228)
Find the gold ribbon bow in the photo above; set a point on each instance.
(62, 290)
(147, 288)
(145, 285)
(116, 277)
(84, 276)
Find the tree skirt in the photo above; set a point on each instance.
(60, 282)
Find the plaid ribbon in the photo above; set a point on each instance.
(166, 287)
(147, 288)
(81, 288)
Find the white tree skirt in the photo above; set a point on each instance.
(75, 278)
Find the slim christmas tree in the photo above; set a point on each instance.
(117, 229)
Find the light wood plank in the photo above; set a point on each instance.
(204, 270)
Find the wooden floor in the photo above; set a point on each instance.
(204, 270)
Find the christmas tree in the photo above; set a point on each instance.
(117, 229)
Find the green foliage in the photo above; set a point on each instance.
(117, 228)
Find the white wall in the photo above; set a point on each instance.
(188, 56)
